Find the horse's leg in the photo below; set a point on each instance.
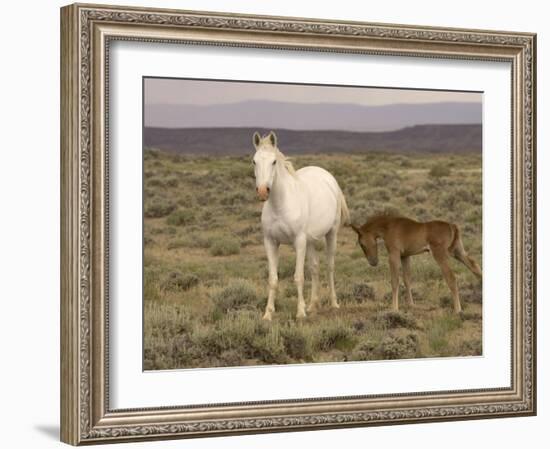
(313, 262)
(331, 238)
(441, 256)
(406, 264)
(272, 250)
(300, 245)
(395, 262)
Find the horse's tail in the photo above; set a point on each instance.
(345, 215)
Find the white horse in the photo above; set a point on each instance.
(300, 207)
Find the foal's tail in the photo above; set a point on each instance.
(345, 215)
(459, 253)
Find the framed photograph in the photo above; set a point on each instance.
(278, 224)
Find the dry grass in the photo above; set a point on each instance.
(205, 269)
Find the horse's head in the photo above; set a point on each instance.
(265, 162)
(367, 242)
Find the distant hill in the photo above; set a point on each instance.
(299, 116)
(237, 141)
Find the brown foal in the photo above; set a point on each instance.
(404, 238)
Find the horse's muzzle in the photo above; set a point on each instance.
(263, 193)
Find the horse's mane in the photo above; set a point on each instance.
(286, 161)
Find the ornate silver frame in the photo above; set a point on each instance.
(86, 32)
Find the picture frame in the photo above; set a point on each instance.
(87, 32)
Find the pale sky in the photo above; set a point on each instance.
(192, 92)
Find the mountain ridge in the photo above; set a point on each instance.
(435, 138)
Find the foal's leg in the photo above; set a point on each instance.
(395, 262)
(313, 262)
(441, 256)
(300, 244)
(331, 238)
(272, 250)
(406, 264)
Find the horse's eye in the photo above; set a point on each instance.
(253, 162)
(274, 162)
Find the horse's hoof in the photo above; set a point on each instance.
(335, 305)
(267, 317)
(301, 315)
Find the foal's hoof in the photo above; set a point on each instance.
(335, 305)
(301, 315)
(267, 316)
(312, 307)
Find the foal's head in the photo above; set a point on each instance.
(264, 162)
(367, 241)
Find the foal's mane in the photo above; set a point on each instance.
(383, 214)
(378, 218)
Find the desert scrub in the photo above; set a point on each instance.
(225, 246)
(245, 335)
(391, 319)
(166, 320)
(154, 182)
(150, 153)
(171, 181)
(176, 281)
(233, 333)
(166, 337)
(238, 294)
(270, 347)
(180, 217)
(364, 350)
(151, 285)
(254, 229)
(299, 341)
(469, 196)
(233, 199)
(384, 178)
(157, 208)
(399, 347)
(379, 194)
(471, 347)
(417, 196)
(439, 170)
(439, 332)
(358, 292)
(471, 293)
(192, 240)
(336, 334)
(450, 201)
(285, 269)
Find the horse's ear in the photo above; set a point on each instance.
(273, 138)
(256, 140)
(355, 228)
